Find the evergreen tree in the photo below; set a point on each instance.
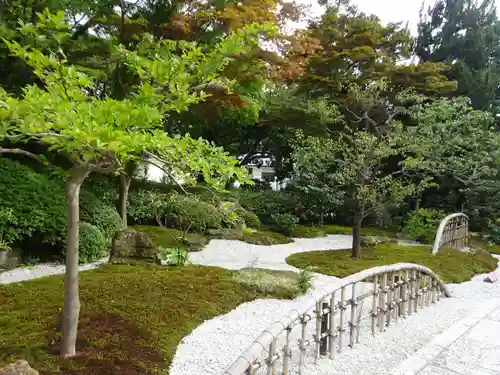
(464, 34)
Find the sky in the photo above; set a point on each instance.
(387, 10)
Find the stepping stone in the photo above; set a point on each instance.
(491, 278)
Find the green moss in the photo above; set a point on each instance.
(366, 231)
(169, 237)
(304, 231)
(131, 321)
(264, 237)
(478, 241)
(452, 265)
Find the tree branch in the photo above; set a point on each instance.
(19, 151)
(147, 160)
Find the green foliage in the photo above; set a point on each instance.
(284, 223)
(36, 201)
(423, 224)
(493, 233)
(93, 245)
(453, 266)
(146, 206)
(173, 256)
(465, 35)
(230, 215)
(191, 214)
(305, 280)
(96, 211)
(250, 218)
(131, 300)
(267, 203)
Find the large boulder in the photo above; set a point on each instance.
(133, 245)
(18, 368)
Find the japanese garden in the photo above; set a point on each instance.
(246, 187)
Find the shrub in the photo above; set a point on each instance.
(250, 218)
(36, 201)
(93, 244)
(174, 256)
(267, 203)
(422, 224)
(285, 223)
(493, 231)
(230, 217)
(189, 213)
(108, 221)
(147, 206)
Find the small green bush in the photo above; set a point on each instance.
(104, 217)
(93, 245)
(173, 256)
(422, 224)
(190, 213)
(285, 223)
(229, 215)
(493, 231)
(149, 206)
(250, 218)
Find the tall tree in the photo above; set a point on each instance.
(100, 134)
(464, 34)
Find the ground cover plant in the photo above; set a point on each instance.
(452, 266)
(133, 317)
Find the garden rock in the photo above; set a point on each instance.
(18, 368)
(195, 243)
(131, 244)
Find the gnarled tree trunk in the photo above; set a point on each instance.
(71, 310)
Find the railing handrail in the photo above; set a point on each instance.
(440, 231)
(261, 343)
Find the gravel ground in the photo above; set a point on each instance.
(235, 255)
(41, 270)
(214, 345)
(211, 347)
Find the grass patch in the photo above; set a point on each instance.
(264, 237)
(170, 237)
(132, 318)
(452, 265)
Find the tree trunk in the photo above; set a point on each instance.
(71, 310)
(125, 180)
(123, 197)
(356, 235)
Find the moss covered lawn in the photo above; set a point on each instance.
(452, 265)
(304, 231)
(132, 317)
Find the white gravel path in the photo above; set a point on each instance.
(41, 270)
(235, 255)
(211, 347)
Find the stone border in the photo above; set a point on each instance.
(417, 362)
